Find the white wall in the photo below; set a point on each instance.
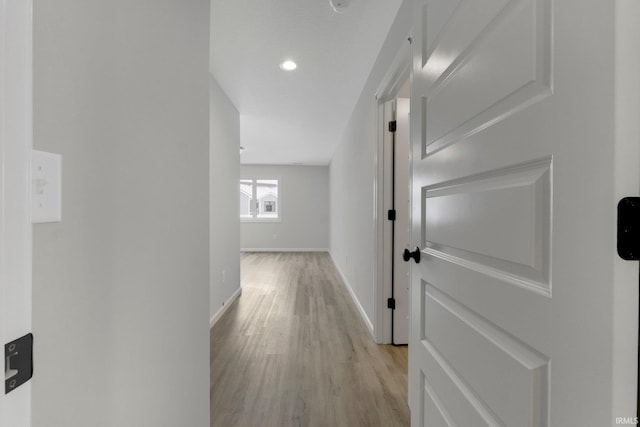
(121, 285)
(304, 210)
(224, 175)
(352, 175)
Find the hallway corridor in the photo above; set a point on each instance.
(293, 351)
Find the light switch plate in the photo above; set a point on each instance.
(46, 187)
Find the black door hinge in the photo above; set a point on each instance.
(391, 215)
(629, 228)
(18, 359)
(391, 303)
(392, 126)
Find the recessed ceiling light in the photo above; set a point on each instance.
(339, 5)
(288, 65)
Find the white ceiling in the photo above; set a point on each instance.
(295, 117)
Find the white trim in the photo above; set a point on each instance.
(363, 313)
(627, 183)
(378, 231)
(397, 74)
(284, 250)
(225, 306)
(16, 141)
(249, 220)
(286, 164)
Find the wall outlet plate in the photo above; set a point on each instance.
(46, 187)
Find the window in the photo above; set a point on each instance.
(259, 200)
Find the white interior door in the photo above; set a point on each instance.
(15, 225)
(522, 312)
(402, 233)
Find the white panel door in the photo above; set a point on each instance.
(15, 226)
(515, 178)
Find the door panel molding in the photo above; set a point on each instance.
(515, 199)
(514, 375)
(508, 76)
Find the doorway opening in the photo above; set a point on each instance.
(396, 201)
(392, 203)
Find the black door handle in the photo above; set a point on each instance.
(415, 255)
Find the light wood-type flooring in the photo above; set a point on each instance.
(294, 351)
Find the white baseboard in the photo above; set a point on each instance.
(224, 308)
(363, 313)
(284, 250)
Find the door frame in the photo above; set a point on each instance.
(397, 73)
(626, 338)
(16, 141)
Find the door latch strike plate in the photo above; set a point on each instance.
(18, 362)
(629, 228)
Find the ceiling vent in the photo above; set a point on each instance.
(339, 5)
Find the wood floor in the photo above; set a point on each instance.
(293, 351)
